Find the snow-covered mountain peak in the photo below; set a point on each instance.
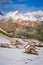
(37, 15)
(12, 13)
(32, 16)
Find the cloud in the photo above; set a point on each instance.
(14, 7)
(10, 1)
(21, 0)
(5, 1)
(20, 7)
(23, 7)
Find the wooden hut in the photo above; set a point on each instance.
(31, 49)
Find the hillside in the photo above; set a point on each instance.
(23, 29)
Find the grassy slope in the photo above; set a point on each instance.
(5, 33)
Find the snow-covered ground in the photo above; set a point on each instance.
(15, 56)
(9, 56)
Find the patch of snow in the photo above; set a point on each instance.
(4, 40)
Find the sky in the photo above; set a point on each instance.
(21, 5)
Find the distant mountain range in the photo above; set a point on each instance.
(16, 19)
(29, 16)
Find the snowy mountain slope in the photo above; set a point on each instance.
(35, 15)
(16, 16)
(32, 16)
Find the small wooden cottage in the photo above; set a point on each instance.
(31, 49)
